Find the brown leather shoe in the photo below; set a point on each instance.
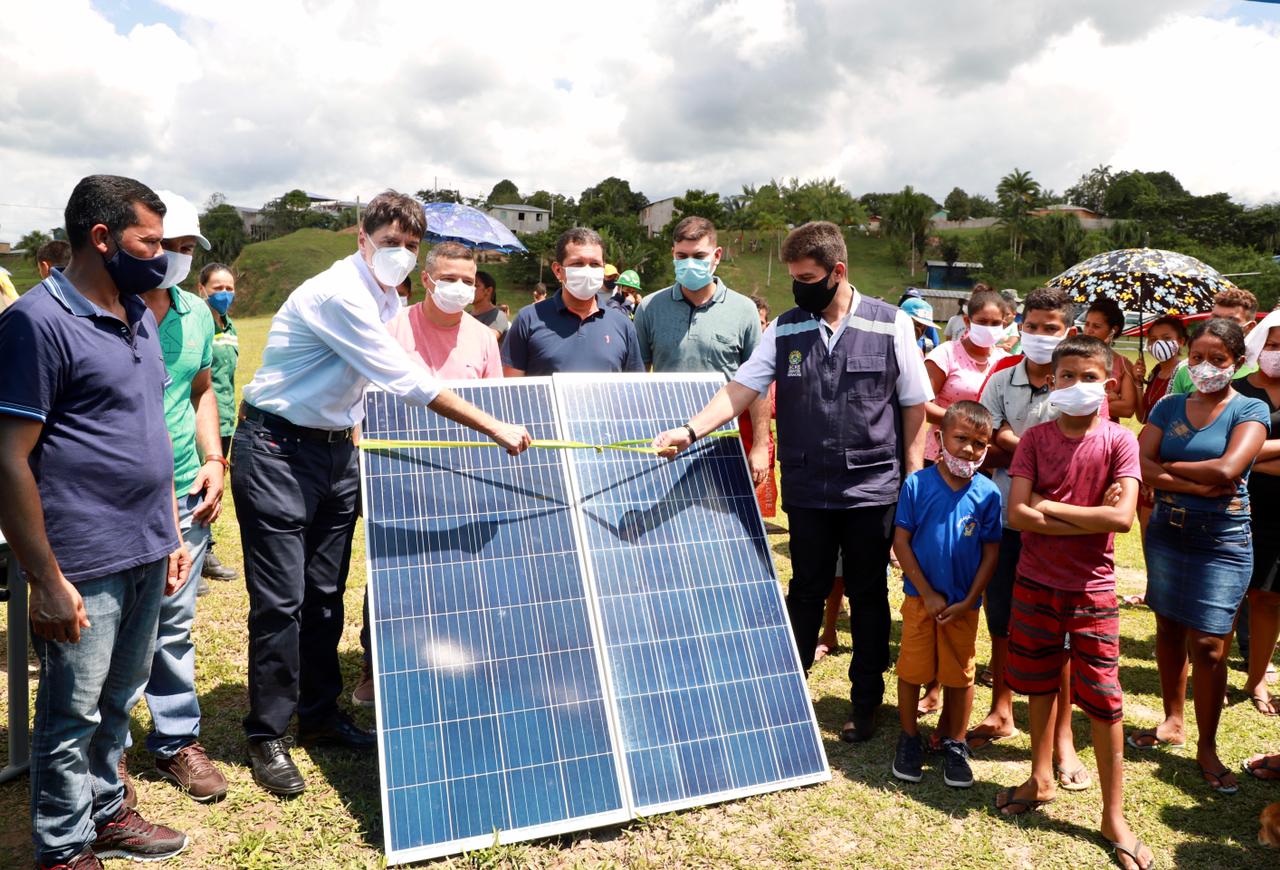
(130, 793)
(191, 770)
(363, 696)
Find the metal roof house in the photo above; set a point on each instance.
(521, 218)
(941, 275)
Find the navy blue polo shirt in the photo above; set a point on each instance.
(103, 464)
(547, 337)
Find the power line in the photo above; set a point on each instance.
(24, 205)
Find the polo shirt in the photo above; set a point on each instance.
(226, 354)
(547, 337)
(676, 336)
(186, 337)
(103, 464)
(1010, 397)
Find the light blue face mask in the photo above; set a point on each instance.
(694, 274)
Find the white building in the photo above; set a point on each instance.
(522, 218)
(657, 215)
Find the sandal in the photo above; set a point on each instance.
(1028, 805)
(821, 651)
(1075, 780)
(982, 741)
(1156, 741)
(986, 678)
(1132, 854)
(1216, 781)
(1267, 706)
(1263, 767)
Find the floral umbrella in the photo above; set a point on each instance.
(1149, 280)
(455, 222)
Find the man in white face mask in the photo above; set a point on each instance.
(295, 479)
(570, 331)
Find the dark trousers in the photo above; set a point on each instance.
(864, 535)
(296, 504)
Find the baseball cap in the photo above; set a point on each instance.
(919, 311)
(610, 271)
(180, 218)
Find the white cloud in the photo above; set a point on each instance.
(254, 98)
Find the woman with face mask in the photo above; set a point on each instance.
(217, 287)
(1264, 493)
(1105, 321)
(1196, 452)
(1166, 339)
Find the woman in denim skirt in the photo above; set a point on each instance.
(1197, 450)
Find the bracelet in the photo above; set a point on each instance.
(693, 436)
(214, 457)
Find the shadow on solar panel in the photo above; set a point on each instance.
(571, 638)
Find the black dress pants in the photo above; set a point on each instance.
(864, 535)
(295, 501)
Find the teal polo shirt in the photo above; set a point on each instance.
(186, 338)
(676, 336)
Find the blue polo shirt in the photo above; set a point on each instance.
(547, 337)
(103, 464)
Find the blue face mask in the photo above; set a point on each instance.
(694, 274)
(133, 275)
(221, 301)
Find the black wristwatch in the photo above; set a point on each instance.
(693, 436)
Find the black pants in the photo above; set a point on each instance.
(864, 535)
(296, 504)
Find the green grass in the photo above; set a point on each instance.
(269, 271)
(863, 818)
(23, 271)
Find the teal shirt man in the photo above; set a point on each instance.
(677, 336)
(186, 337)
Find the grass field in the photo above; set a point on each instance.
(863, 818)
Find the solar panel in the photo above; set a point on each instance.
(711, 701)
(491, 708)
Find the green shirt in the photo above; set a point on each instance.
(186, 337)
(1181, 382)
(716, 337)
(226, 353)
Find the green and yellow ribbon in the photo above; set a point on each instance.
(630, 446)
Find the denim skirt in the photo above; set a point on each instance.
(1198, 566)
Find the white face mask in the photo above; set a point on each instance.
(176, 270)
(1269, 362)
(1208, 378)
(392, 265)
(1079, 399)
(1039, 348)
(1165, 349)
(583, 282)
(985, 336)
(452, 296)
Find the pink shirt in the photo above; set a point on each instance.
(1073, 471)
(964, 379)
(466, 351)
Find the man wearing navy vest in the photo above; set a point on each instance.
(851, 391)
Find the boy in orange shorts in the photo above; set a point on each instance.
(1066, 586)
(947, 541)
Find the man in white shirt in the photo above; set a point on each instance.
(295, 479)
(851, 394)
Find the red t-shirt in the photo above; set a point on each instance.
(1074, 471)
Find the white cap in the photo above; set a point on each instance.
(180, 218)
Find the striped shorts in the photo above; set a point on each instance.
(1043, 617)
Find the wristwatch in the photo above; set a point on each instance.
(693, 436)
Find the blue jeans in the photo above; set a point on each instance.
(82, 709)
(171, 688)
(1198, 567)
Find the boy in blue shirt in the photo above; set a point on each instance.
(947, 541)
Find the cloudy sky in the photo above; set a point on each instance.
(255, 97)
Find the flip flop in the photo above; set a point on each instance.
(1266, 708)
(1156, 742)
(1076, 780)
(986, 678)
(821, 651)
(1011, 801)
(987, 739)
(921, 711)
(1132, 854)
(1214, 778)
(1266, 769)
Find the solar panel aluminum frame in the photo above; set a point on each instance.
(576, 491)
(514, 835)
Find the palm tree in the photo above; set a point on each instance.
(907, 220)
(1017, 194)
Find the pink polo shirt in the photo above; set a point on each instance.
(466, 351)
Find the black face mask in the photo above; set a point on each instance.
(133, 275)
(609, 285)
(814, 297)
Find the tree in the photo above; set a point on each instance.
(31, 242)
(1017, 194)
(559, 206)
(957, 205)
(821, 199)
(224, 229)
(981, 206)
(1130, 195)
(701, 204)
(1060, 240)
(439, 194)
(876, 203)
(504, 192)
(613, 196)
(292, 212)
(1091, 190)
(906, 220)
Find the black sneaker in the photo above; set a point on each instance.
(131, 836)
(955, 764)
(215, 570)
(908, 764)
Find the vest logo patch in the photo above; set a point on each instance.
(793, 363)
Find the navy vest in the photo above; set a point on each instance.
(838, 420)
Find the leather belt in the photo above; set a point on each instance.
(275, 421)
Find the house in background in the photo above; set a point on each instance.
(5, 247)
(656, 215)
(1079, 211)
(521, 218)
(946, 303)
(941, 275)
